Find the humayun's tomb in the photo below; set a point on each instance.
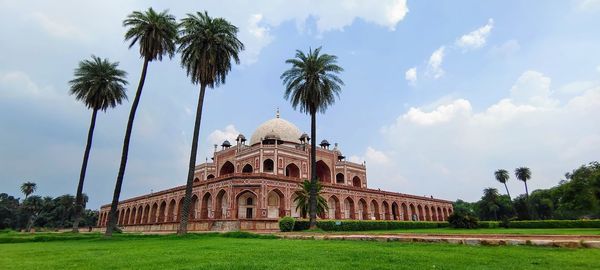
(249, 186)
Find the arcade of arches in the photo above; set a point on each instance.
(256, 182)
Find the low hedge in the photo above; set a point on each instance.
(366, 225)
(489, 224)
(542, 224)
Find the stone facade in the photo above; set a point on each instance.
(254, 185)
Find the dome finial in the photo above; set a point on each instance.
(277, 113)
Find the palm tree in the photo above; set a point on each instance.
(312, 84)
(524, 174)
(303, 197)
(502, 176)
(490, 200)
(207, 47)
(100, 85)
(28, 188)
(156, 34)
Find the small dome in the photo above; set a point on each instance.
(304, 137)
(226, 143)
(241, 138)
(276, 127)
(336, 149)
(324, 143)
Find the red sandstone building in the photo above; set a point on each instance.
(251, 185)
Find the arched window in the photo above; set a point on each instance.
(247, 169)
(227, 168)
(292, 170)
(356, 182)
(339, 178)
(196, 180)
(210, 176)
(249, 201)
(268, 165)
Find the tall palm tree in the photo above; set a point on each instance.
(502, 176)
(524, 174)
(303, 197)
(28, 188)
(312, 84)
(207, 46)
(33, 205)
(100, 85)
(156, 34)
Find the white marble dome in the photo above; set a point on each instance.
(285, 130)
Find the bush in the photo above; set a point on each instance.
(286, 224)
(368, 225)
(301, 225)
(240, 234)
(581, 223)
(489, 224)
(461, 220)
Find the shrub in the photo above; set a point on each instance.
(368, 225)
(489, 224)
(591, 223)
(461, 220)
(301, 225)
(286, 224)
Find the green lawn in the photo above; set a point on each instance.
(211, 251)
(560, 231)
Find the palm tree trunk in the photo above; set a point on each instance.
(312, 198)
(527, 197)
(505, 186)
(86, 155)
(112, 215)
(185, 211)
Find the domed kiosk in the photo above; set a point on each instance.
(250, 186)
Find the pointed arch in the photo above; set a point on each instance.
(275, 204)
(133, 215)
(386, 210)
(335, 211)
(227, 168)
(339, 178)
(127, 213)
(323, 172)
(247, 169)
(292, 170)
(162, 211)
(356, 181)
(206, 206)
(153, 213)
(445, 212)
(374, 207)
(210, 176)
(222, 205)
(420, 213)
(268, 165)
(349, 211)
(247, 205)
(440, 215)
(395, 211)
(413, 211)
(171, 211)
(363, 212)
(146, 214)
(427, 214)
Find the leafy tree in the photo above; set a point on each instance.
(312, 84)
(303, 197)
(207, 46)
(33, 205)
(156, 34)
(502, 176)
(100, 85)
(28, 188)
(463, 208)
(488, 205)
(9, 211)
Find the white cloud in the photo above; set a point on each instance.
(371, 156)
(477, 38)
(454, 146)
(256, 36)
(533, 88)
(588, 5)
(58, 28)
(507, 48)
(434, 65)
(411, 75)
(17, 83)
(598, 68)
(219, 136)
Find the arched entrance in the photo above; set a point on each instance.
(193, 207)
(227, 168)
(146, 214)
(294, 209)
(221, 207)
(127, 213)
(363, 212)
(374, 210)
(395, 211)
(356, 182)
(405, 214)
(323, 172)
(349, 212)
(161, 211)
(334, 211)
(133, 212)
(275, 205)
(427, 214)
(291, 170)
(153, 213)
(420, 210)
(246, 202)
(171, 211)
(386, 210)
(206, 206)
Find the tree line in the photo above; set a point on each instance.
(208, 46)
(576, 196)
(37, 211)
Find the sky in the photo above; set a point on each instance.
(437, 96)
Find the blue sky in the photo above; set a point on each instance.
(437, 96)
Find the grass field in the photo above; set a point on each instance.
(210, 251)
(560, 231)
